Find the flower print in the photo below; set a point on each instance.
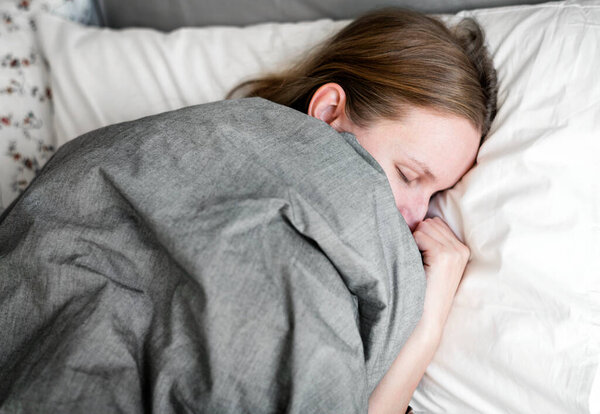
(9, 22)
(14, 62)
(24, 5)
(28, 163)
(27, 167)
(25, 80)
(45, 96)
(15, 87)
(45, 149)
(30, 121)
(9, 61)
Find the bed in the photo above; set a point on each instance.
(524, 331)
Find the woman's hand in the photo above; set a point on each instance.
(444, 259)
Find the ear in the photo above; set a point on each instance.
(328, 104)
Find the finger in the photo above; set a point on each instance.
(443, 225)
(438, 230)
(445, 231)
(454, 241)
(425, 240)
(435, 229)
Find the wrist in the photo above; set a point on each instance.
(430, 329)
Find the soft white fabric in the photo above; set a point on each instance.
(104, 76)
(524, 332)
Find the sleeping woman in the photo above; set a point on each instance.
(420, 99)
(269, 253)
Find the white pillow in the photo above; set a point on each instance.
(523, 335)
(524, 332)
(105, 76)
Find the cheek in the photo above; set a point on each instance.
(402, 196)
(408, 200)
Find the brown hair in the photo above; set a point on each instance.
(388, 59)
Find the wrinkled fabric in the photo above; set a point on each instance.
(232, 257)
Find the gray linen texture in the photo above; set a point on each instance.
(232, 257)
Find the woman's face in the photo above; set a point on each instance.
(422, 154)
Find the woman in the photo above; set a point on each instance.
(420, 98)
(248, 255)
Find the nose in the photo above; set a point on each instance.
(415, 213)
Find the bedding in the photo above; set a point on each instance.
(526, 318)
(26, 132)
(188, 66)
(237, 256)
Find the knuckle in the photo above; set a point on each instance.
(466, 249)
(463, 252)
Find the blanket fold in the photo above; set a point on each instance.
(238, 256)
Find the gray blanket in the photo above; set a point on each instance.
(232, 257)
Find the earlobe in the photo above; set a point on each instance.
(328, 104)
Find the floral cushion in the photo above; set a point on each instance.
(26, 134)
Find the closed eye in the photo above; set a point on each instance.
(401, 174)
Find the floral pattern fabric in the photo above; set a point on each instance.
(26, 132)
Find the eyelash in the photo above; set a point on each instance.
(406, 180)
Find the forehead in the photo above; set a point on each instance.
(445, 143)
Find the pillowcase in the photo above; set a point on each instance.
(524, 331)
(103, 76)
(26, 134)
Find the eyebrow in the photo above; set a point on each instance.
(424, 168)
